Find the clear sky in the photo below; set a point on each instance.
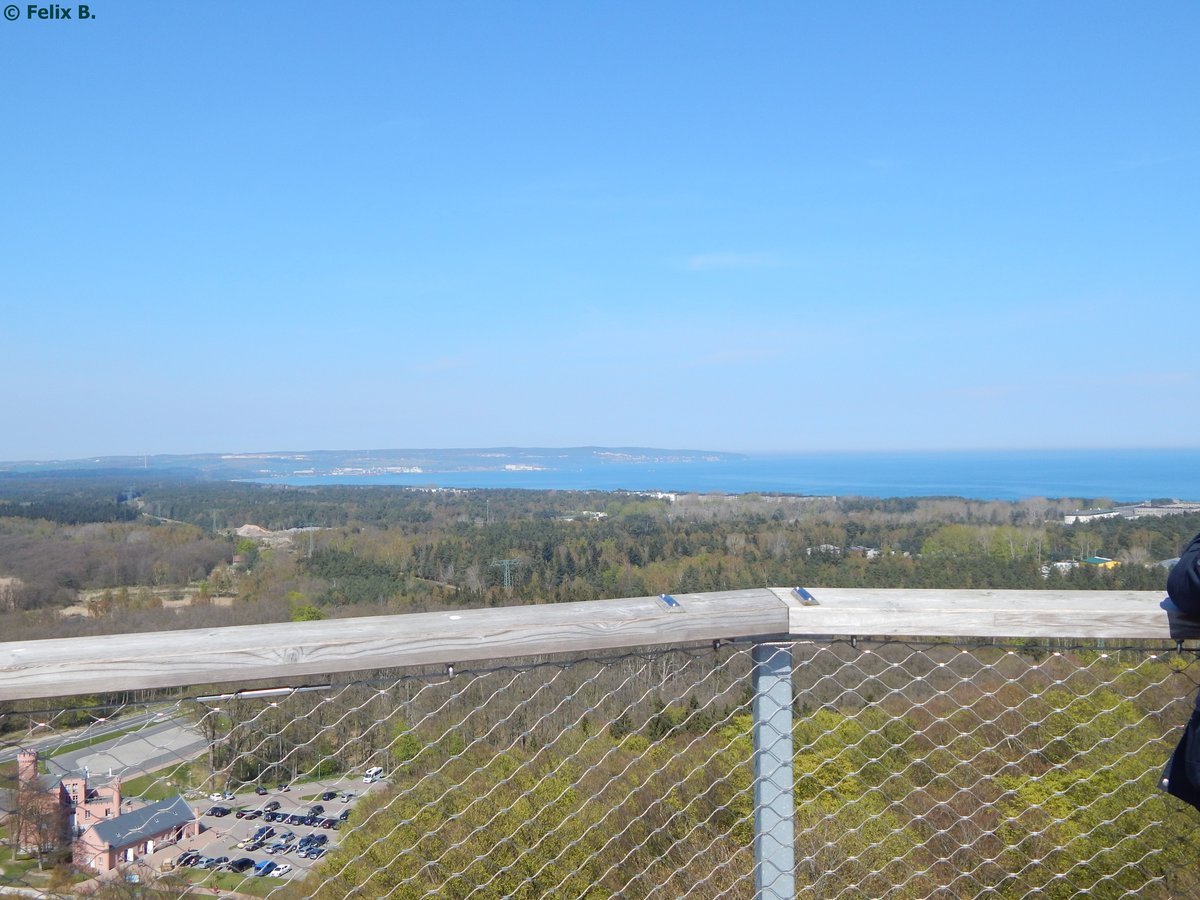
(735, 226)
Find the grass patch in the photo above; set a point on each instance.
(16, 871)
(244, 884)
(162, 784)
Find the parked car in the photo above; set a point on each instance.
(343, 815)
(271, 806)
(311, 841)
(329, 795)
(252, 814)
(372, 774)
(260, 790)
(284, 786)
(348, 796)
(218, 811)
(281, 870)
(266, 867)
(241, 864)
(188, 858)
(283, 843)
(316, 809)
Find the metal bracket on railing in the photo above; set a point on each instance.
(805, 598)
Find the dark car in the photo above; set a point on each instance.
(218, 811)
(329, 795)
(251, 814)
(241, 864)
(316, 809)
(188, 859)
(260, 790)
(343, 815)
(241, 813)
(312, 840)
(328, 823)
(271, 806)
(296, 819)
(284, 786)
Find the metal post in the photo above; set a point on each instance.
(774, 801)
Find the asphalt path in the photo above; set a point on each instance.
(47, 745)
(145, 750)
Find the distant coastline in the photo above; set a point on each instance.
(1117, 475)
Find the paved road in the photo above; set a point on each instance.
(58, 738)
(130, 755)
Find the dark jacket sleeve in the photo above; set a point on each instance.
(1183, 584)
(1182, 774)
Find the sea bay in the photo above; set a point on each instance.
(1118, 475)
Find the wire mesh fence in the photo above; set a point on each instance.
(920, 770)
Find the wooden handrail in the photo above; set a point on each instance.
(298, 650)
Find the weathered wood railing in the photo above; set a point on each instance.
(53, 668)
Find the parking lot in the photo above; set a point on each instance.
(292, 824)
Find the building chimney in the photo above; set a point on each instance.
(27, 767)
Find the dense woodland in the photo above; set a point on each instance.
(118, 554)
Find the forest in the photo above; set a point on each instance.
(108, 553)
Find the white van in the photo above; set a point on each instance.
(372, 774)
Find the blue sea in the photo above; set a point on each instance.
(1118, 475)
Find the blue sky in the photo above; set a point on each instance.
(757, 227)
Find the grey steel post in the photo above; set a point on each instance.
(774, 800)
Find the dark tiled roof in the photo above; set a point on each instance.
(135, 827)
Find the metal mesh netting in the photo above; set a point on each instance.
(921, 770)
